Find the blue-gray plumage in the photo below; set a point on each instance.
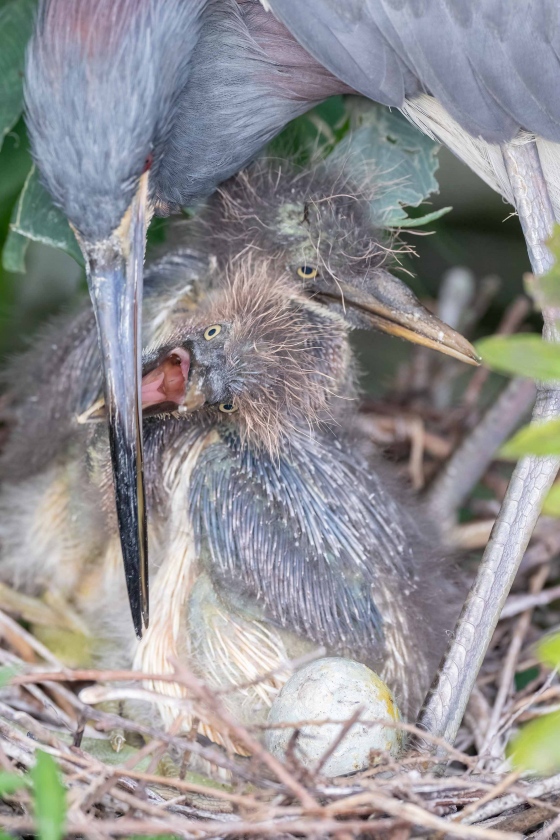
(492, 66)
(148, 105)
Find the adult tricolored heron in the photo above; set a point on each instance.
(275, 525)
(136, 107)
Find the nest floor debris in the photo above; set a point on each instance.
(145, 788)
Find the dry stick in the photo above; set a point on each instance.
(106, 721)
(499, 788)
(512, 319)
(547, 830)
(125, 826)
(508, 669)
(516, 604)
(523, 820)
(470, 460)
(505, 803)
(43, 651)
(468, 463)
(240, 734)
(89, 675)
(530, 482)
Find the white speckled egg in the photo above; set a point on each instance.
(333, 688)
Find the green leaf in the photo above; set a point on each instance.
(10, 782)
(16, 24)
(420, 221)
(521, 355)
(49, 798)
(312, 135)
(549, 651)
(547, 287)
(36, 217)
(537, 747)
(384, 145)
(551, 505)
(535, 439)
(6, 674)
(15, 249)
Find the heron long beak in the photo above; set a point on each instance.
(388, 305)
(115, 269)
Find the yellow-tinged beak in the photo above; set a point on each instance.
(390, 306)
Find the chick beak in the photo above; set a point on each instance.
(115, 270)
(389, 305)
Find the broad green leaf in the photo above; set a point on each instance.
(386, 150)
(535, 439)
(551, 505)
(10, 782)
(521, 355)
(16, 24)
(15, 249)
(49, 798)
(549, 651)
(537, 747)
(36, 217)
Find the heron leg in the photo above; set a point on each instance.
(448, 697)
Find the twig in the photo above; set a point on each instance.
(508, 670)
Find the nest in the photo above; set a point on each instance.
(469, 790)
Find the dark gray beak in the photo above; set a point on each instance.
(115, 270)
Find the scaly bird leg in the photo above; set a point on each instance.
(530, 482)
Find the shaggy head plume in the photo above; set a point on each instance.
(317, 218)
(277, 358)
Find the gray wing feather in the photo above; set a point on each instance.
(492, 64)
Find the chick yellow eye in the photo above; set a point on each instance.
(212, 332)
(227, 407)
(307, 272)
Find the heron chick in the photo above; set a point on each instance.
(275, 527)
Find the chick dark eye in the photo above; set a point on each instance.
(212, 332)
(307, 272)
(227, 407)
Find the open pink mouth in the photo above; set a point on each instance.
(167, 382)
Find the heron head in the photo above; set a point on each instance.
(101, 89)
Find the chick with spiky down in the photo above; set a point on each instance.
(274, 526)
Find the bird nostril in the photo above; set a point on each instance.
(167, 382)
